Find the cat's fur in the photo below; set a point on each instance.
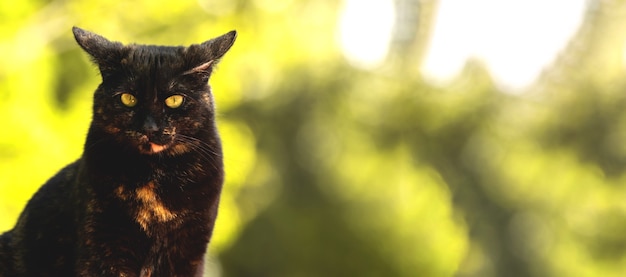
(142, 200)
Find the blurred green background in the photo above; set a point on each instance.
(337, 167)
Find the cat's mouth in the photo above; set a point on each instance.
(155, 143)
(156, 148)
(150, 146)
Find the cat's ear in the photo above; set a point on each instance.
(105, 53)
(203, 57)
(218, 46)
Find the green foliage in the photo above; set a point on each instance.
(336, 171)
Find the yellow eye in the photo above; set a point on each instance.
(174, 101)
(128, 99)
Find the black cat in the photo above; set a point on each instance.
(143, 198)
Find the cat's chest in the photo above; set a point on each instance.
(157, 196)
(149, 206)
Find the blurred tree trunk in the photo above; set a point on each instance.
(596, 52)
(411, 34)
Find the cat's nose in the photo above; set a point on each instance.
(150, 125)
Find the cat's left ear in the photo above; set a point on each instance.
(105, 53)
(218, 46)
(203, 57)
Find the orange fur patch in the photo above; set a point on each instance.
(151, 209)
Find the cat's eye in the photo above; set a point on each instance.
(174, 101)
(128, 99)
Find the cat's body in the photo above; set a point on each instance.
(142, 200)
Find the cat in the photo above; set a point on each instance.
(143, 198)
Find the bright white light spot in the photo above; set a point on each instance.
(365, 29)
(515, 39)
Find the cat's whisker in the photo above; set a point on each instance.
(202, 148)
(91, 146)
(199, 144)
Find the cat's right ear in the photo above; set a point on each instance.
(99, 48)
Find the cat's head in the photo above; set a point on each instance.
(154, 99)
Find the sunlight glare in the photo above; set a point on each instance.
(515, 39)
(365, 29)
